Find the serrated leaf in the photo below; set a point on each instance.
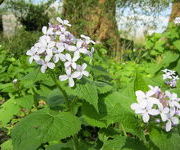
(165, 141)
(114, 144)
(123, 143)
(41, 126)
(91, 117)
(118, 110)
(134, 144)
(88, 92)
(103, 87)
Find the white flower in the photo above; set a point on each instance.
(47, 31)
(171, 121)
(153, 90)
(163, 112)
(45, 65)
(59, 45)
(33, 54)
(71, 62)
(80, 71)
(68, 77)
(87, 39)
(145, 106)
(63, 22)
(170, 77)
(58, 57)
(15, 81)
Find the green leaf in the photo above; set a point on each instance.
(118, 110)
(88, 92)
(139, 83)
(123, 143)
(114, 144)
(165, 141)
(91, 117)
(7, 145)
(41, 126)
(168, 58)
(103, 87)
(134, 144)
(8, 110)
(26, 101)
(177, 44)
(12, 107)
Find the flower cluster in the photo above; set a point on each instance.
(58, 45)
(156, 105)
(177, 20)
(170, 77)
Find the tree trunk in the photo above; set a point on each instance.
(95, 18)
(175, 12)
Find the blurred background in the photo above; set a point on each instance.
(120, 25)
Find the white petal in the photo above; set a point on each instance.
(76, 56)
(36, 57)
(79, 43)
(74, 65)
(85, 73)
(62, 57)
(84, 65)
(29, 52)
(145, 117)
(75, 74)
(83, 50)
(140, 95)
(71, 48)
(175, 120)
(44, 30)
(56, 58)
(153, 112)
(31, 60)
(63, 77)
(71, 82)
(68, 57)
(168, 126)
(48, 58)
(43, 68)
(164, 117)
(67, 64)
(68, 71)
(135, 106)
(51, 65)
(59, 20)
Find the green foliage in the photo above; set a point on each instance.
(20, 42)
(165, 141)
(43, 126)
(158, 44)
(32, 16)
(39, 112)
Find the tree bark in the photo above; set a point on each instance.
(175, 12)
(95, 18)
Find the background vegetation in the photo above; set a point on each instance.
(33, 112)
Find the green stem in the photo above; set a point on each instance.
(123, 129)
(74, 138)
(61, 89)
